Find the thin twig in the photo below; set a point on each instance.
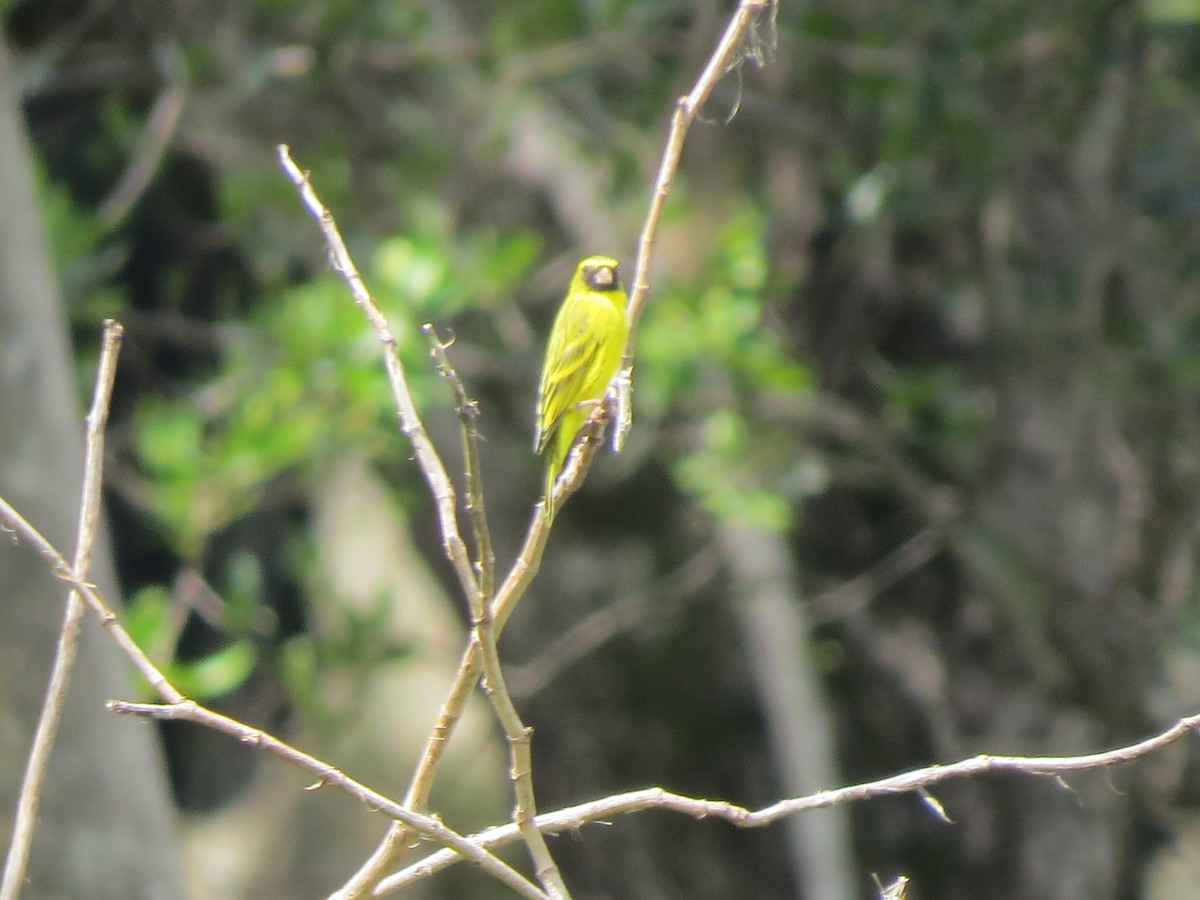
(724, 57)
(626, 614)
(524, 569)
(182, 707)
(155, 140)
(455, 549)
(574, 817)
(108, 619)
(468, 415)
(733, 47)
(410, 423)
(516, 733)
(470, 667)
(857, 593)
(520, 757)
(429, 826)
(475, 584)
(68, 638)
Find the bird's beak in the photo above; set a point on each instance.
(601, 278)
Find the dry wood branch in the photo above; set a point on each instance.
(661, 601)
(155, 140)
(182, 707)
(517, 734)
(468, 415)
(730, 50)
(429, 826)
(68, 638)
(108, 619)
(520, 759)
(917, 781)
(406, 410)
(470, 667)
(734, 46)
(475, 583)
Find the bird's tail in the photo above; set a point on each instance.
(556, 453)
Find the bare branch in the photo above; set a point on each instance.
(470, 667)
(520, 757)
(156, 138)
(726, 55)
(468, 415)
(68, 638)
(108, 619)
(917, 781)
(430, 826)
(406, 410)
(734, 46)
(182, 707)
(625, 614)
(515, 732)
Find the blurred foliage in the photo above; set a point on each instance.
(307, 382)
(152, 620)
(706, 354)
(301, 384)
(944, 257)
(1173, 12)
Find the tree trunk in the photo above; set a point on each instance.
(105, 827)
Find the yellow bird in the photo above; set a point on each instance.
(585, 348)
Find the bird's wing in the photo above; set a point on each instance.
(576, 342)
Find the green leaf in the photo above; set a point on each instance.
(216, 674)
(147, 619)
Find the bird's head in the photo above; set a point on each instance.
(599, 273)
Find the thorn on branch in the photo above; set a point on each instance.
(934, 804)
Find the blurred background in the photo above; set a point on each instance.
(913, 473)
